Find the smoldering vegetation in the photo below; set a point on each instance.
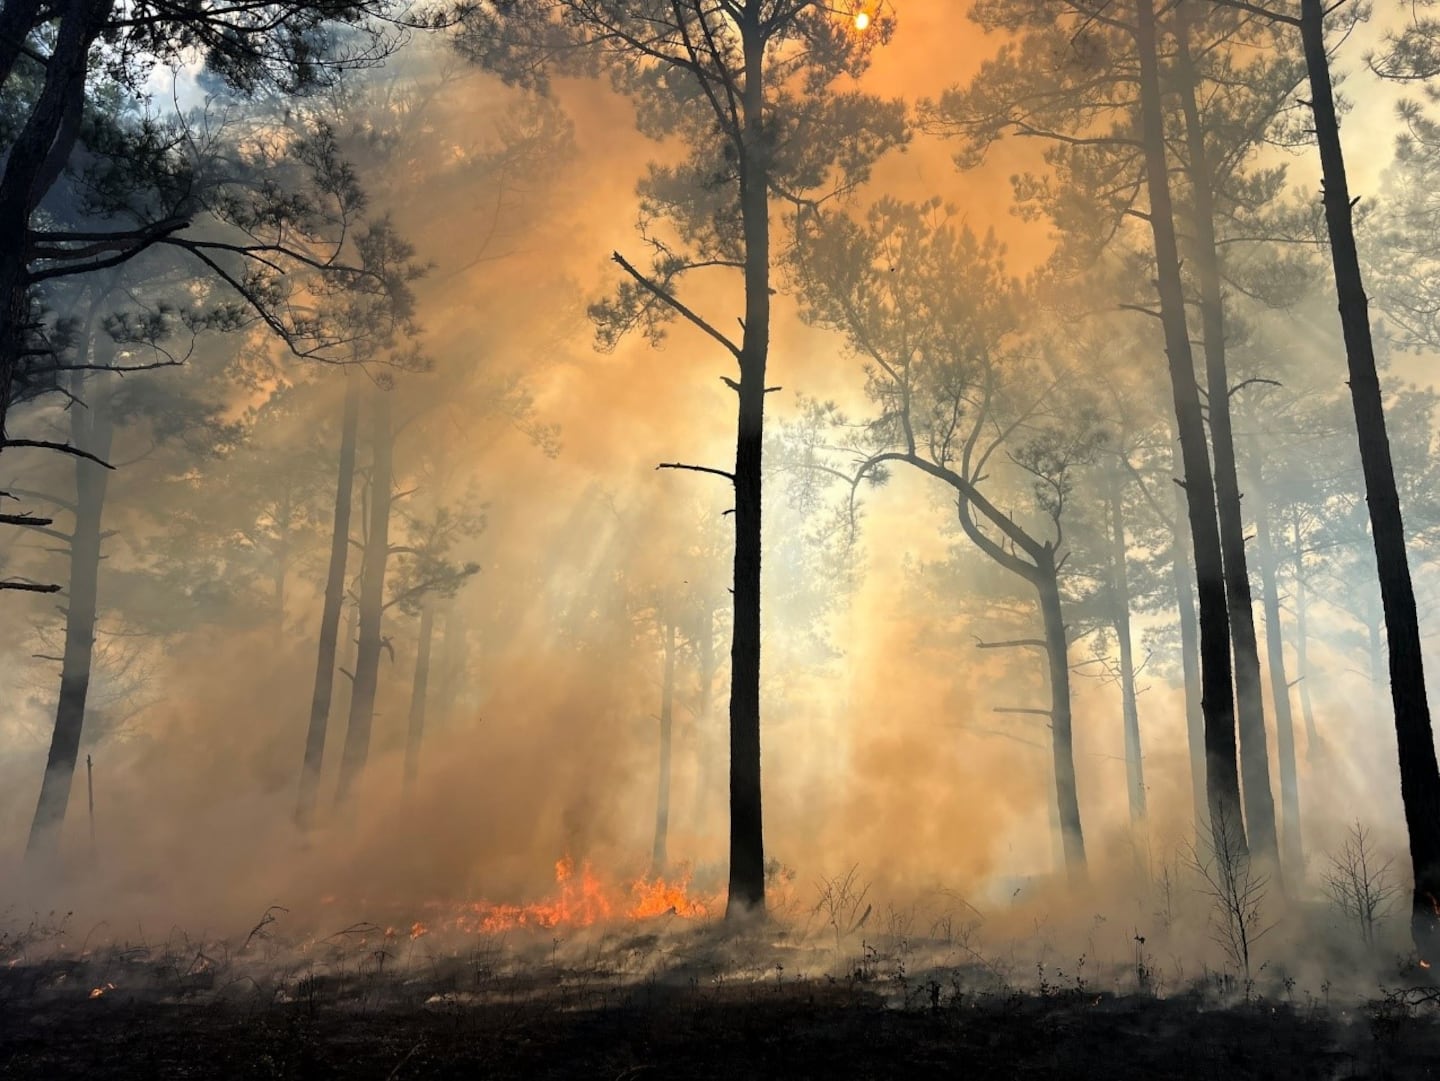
(375, 705)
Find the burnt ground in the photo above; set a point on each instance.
(793, 1033)
(801, 1030)
(358, 1008)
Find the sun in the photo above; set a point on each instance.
(862, 20)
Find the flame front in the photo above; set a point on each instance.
(582, 899)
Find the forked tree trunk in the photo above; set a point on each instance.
(372, 602)
(1291, 848)
(1217, 702)
(1254, 756)
(330, 611)
(659, 855)
(37, 155)
(92, 429)
(1419, 774)
(1120, 600)
(415, 731)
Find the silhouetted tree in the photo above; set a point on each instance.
(749, 89)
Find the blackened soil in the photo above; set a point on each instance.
(823, 1030)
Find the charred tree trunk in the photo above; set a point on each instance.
(1130, 710)
(1291, 849)
(1217, 702)
(1314, 749)
(92, 429)
(1254, 756)
(1057, 656)
(1190, 667)
(415, 732)
(658, 855)
(372, 602)
(1419, 774)
(330, 612)
(746, 888)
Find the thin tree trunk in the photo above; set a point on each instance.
(1217, 703)
(415, 733)
(372, 602)
(92, 428)
(1057, 656)
(1290, 837)
(330, 612)
(1254, 756)
(746, 888)
(659, 854)
(1314, 748)
(1419, 773)
(1120, 600)
(1190, 668)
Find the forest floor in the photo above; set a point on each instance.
(376, 1005)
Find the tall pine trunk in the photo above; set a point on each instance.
(746, 888)
(659, 855)
(415, 730)
(1291, 848)
(1184, 579)
(1120, 601)
(1217, 702)
(372, 601)
(1254, 756)
(92, 429)
(1062, 749)
(330, 611)
(1419, 774)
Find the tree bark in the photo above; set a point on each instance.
(1419, 775)
(746, 887)
(92, 429)
(1254, 756)
(659, 855)
(1292, 850)
(1217, 703)
(415, 732)
(1062, 749)
(372, 601)
(1120, 601)
(1190, 668)
(330, 612)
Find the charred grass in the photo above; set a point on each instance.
(693, 1003)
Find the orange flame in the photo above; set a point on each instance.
(581, 900)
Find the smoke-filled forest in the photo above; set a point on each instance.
(719, 538)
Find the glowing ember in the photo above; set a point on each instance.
(97, 992)
(581, 899)
(417, 929)
(862, 20)
(1424, 963)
